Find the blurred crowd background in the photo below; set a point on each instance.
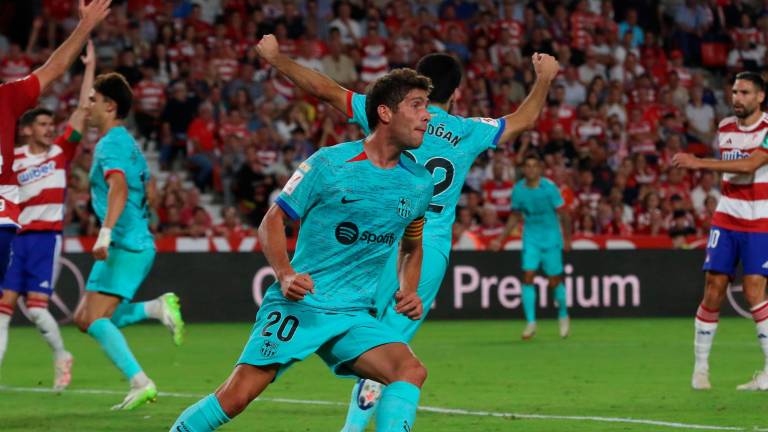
(640, 81)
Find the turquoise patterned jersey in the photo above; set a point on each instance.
(352, 216)
(117, 151)
(541, 224)
(450, 146)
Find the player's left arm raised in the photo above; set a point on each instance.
(524, 118)
(748, 165)
(116, 198)
(77, 119)
(409, 271)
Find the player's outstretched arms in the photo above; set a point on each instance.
(65, 55)
(739, 166)
(409, 261)
(524, 118)
(309, 80)
(77, 119)
(497, 243)
(271, 235)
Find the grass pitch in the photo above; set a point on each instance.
(611, 375)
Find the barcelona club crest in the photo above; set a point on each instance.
(268, 349)
(404, 208)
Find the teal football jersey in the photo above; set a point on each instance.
(541, 224)
(353, 215)
(117, 151)
(450, 146)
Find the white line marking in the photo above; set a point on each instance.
(421, 408)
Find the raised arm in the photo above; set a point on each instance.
(309, 80)
(65, 55)
(748, 165)
(524, 118)
(273, 242)
(77, 119)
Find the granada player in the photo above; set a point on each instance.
(740, 225)
(19, 96)
(40, 167)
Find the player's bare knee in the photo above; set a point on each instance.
(528, 277)
(232, 400)
(412, 371)
(83, 320)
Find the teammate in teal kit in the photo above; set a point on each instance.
(356, 201)
(546, 232)
(450, 146)
(125, 249)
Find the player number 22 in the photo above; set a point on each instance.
(287, 328)
(433, 165)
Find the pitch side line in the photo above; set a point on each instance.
(437, 410)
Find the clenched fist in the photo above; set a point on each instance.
(545, 65)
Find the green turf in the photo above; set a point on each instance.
(609, 368)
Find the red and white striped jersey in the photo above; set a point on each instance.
(43, 182)
(744, 202)
(150, 95)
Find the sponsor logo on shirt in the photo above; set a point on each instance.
(734, 155)
(348, 233)
(293, 182)
(36, 173)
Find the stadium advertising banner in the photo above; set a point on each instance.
(477, 285)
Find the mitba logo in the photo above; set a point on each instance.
(347, 233)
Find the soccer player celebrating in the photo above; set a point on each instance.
(41, 171)
(124, 249)
(538, 203)
(355, 200)
(739, 229)
(19, 96)
(450, 146)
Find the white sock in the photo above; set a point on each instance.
(5, 320)
(706, 326)
(139, 380)
(49, 329)
(760, 315)
(154, 308)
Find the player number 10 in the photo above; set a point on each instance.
(714, 236)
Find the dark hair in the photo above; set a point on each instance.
(532, 154)
(114, 87)
(444, 71)
(753, 77)
(30, 116)
(390, 90)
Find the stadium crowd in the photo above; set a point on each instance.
(640, 81)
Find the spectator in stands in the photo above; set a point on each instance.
(149, 97)
(629, 25)
(490, 227)
(701, 117)
(497, 191)
(705, 189)
(692, 20)
(202, 146)
(349, 29)
(178, 114)
(231, 225)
